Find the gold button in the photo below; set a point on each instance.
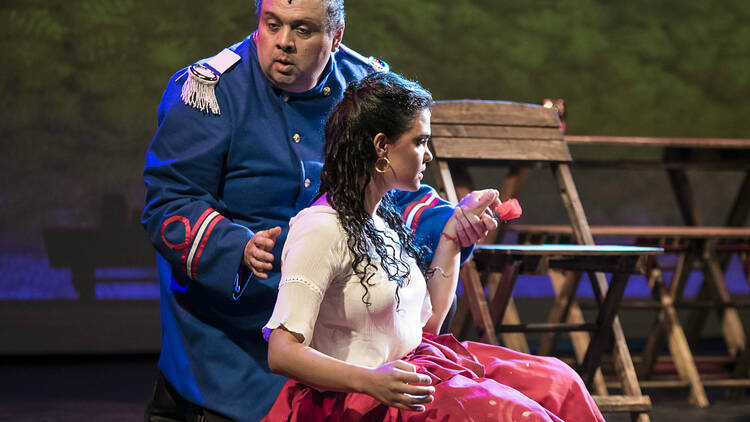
(326, 91)
(307, 183)
(296, 138)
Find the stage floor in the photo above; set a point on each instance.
(115, 388)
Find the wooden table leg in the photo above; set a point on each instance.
(462, 319)
(501, 289)
(684, 195)
(734, 332)
(565, 284)
(600, 338)
(501, 296)
(515, 341)
(624, 362)
(655, 338)
(696, 320)
(668, 324)
(566, 309)
(741, 207)
(478, 302)
(678, 346)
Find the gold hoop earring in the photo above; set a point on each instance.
(387, 164)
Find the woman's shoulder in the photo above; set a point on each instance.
(317, 230)
(317, 213)
(317, 220)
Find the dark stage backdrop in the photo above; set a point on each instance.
(81, 81)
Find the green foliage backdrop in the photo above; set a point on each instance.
(82, 79)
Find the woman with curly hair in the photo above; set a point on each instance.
(359, 307)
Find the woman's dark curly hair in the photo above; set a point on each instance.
(382, 102)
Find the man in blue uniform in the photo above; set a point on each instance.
(236, 155)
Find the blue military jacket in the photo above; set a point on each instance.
(212, 181)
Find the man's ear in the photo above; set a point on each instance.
(337, 37)
(380, 142)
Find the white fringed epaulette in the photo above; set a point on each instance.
(376, 64)
(199, 90)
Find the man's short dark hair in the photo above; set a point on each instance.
(334, 13)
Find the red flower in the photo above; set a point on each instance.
(509, 210)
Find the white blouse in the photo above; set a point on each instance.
(320, 297)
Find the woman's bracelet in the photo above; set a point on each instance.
(453, 239)
(441, 271)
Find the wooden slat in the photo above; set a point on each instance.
(500, 149)
(659, 141)
(494, 132)
(577, 250)
(745, 382)
(546, 327)
(493, 112)
(651, 165)
(640, 231)
(677, 383)
(623, 403)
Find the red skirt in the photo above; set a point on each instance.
(473, 382)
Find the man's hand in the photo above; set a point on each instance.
(474, 216)
(398, 384)
(258, 255)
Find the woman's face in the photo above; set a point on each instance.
(409, 154)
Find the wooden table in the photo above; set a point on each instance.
(511, 260)
(694, 241)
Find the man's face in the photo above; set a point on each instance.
(294, 43)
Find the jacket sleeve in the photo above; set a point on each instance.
(426, 214)
(183, 213)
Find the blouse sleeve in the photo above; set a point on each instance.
(311, 259)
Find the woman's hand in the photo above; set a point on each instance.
(474, 216)
(398, 384)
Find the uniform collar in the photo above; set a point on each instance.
(317, 90)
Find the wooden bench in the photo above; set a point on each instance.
(506, 133)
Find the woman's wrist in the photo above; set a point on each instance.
(449, 232)
(453, 239)
(359, 380)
